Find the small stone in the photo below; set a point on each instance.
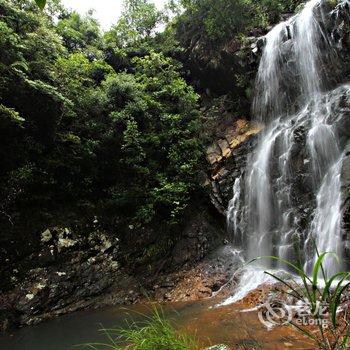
(30, 296)
(40, 286)
(225, 148)
(214, 154)
(64, 243)
(46, 236)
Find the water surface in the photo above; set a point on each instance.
(240, 330)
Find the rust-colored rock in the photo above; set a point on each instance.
(225, 148)
(235, 135)
(214, 154)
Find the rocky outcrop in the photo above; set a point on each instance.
(219, 71)
(71, 272)
(227, 158)
(205, 280)
(76, 270)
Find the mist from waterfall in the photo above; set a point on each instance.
(291, 98)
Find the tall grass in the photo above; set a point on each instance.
(155, 333)
(318, 290)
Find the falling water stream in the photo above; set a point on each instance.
(292, 99)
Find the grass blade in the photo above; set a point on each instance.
(297, 295)
(336, 301)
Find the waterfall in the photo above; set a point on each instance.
(233, 212)
(300, 137)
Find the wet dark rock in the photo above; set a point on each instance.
(226, 167)
(345, 181)
(68, 281)
(199, 236)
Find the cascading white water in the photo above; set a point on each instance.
(233, 211)
(268, 84)
(307, 51)
(294, 48)
(326, 224)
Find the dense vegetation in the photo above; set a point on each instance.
(88, 126)
(97, 123)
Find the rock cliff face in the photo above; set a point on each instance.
(228, 157)
(74, 270)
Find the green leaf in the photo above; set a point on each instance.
(328, 286)
(41, 3)
(336, 301)
(315, 273)
(296, 295)
(345, 342)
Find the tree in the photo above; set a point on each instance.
(138, 21)
(80, 33)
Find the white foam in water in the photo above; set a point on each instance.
(252, 278)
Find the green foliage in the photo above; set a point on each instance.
(156, 333)
(220, 21)
(159, 144)
(10, 116)
(80, 33)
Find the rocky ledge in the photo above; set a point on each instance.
(227, 158)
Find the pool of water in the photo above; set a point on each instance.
(240, 330)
